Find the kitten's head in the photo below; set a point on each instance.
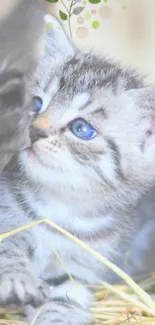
(94, 134)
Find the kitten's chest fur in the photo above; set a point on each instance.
(77, 218)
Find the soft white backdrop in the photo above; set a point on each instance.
(125, 29)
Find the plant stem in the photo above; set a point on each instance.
(69, 18)
(69, 11)
(64, 6)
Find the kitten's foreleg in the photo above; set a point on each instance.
(69, 304)
(18, 283)
(70, 300)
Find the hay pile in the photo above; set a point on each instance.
(127, 303)
(118, 304)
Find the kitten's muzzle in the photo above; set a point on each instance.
(37, 134)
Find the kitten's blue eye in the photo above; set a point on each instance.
(82, 129)
(37, 104)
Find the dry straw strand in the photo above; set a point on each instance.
(140, 292)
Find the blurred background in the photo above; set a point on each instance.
(124, 29)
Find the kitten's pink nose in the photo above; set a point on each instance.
(36, 134)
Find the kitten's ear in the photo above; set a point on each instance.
(57, 44)
(143, 96)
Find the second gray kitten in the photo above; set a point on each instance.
(91, 159)
(21, 32)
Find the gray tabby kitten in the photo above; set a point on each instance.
(21, 32)
(92, 156)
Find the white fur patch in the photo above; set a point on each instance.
(80, 100)
(73, 292)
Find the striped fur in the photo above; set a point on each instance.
(87, 187)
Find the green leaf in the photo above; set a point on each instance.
(62, 15)
(78, 10)
(94, 1)
(52, 1)
(105, 1)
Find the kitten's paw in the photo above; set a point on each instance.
(21, 288)
(67, 314)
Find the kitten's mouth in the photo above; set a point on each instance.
(31, 153)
